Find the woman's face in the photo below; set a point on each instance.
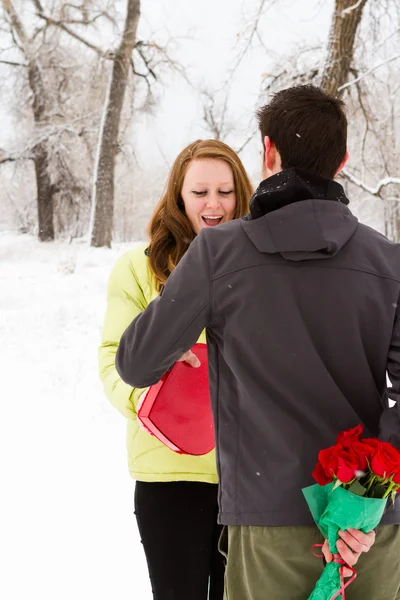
(208, 193)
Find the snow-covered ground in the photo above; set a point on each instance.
(67, 529)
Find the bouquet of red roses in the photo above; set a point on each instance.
(354, 478)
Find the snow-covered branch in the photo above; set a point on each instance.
(348, 10)
(382, 64)
(374, 191)
(46, 134)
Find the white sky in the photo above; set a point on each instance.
(212, 27)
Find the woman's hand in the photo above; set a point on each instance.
(191, 359)
(352, 543)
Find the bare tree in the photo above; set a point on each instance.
(103, 193)
(152, 57)
(47, 93)
(61, 36)
(40, 153)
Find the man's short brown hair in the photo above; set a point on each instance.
(308, 128)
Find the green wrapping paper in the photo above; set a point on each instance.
(334, 510)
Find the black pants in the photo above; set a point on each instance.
(178, 526)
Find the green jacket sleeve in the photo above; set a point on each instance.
(125, 300)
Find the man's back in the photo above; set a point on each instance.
(304, 302)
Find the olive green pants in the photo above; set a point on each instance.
(276, 563)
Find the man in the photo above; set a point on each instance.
(300, 305)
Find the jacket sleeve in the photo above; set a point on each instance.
(390, 420)
(171, 324)
(125, 300)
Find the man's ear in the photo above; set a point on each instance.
(343, 163)
(269, 154)
(273, 161)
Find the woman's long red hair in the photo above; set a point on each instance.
(170, 231)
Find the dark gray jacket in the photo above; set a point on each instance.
(300, 305)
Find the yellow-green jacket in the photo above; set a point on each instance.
(130, 289)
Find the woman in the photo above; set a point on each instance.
(175, 495)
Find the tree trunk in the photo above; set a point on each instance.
(103, 193)
(45, 201)
(345, 22)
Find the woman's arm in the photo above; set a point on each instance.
(125, 300)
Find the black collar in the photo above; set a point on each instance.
(293, 185)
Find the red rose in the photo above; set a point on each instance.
(363, 452)
(386, 460)
(336, 461)
(347, 467)
(328, 460)
(347, 438)
(396, 474)
(320, 476)
(372, 442)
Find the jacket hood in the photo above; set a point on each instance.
(299, 215)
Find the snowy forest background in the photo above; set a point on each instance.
(97, 97)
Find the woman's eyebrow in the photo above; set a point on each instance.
(221, 183)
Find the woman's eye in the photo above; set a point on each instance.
(196, 193)
(226, 193)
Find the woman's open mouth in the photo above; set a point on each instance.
(211, 221)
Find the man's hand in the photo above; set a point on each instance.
(191, 359)
(352, 543)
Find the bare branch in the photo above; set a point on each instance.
(109, 55)
(13, 64)
(249, 139)
(382, 64)
(165, 160)
(38, 5)
(374, 191)
(389, 37)
(138, 46)
(367, 117)
(253, 32)
(83, 11)
(9, 159)
(142, 75)
(16, 25)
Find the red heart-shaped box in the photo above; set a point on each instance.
(177, 410)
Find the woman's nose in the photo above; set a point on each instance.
(213, 200)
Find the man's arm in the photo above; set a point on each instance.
(125, 300)
(171, 324)
(390, 420)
